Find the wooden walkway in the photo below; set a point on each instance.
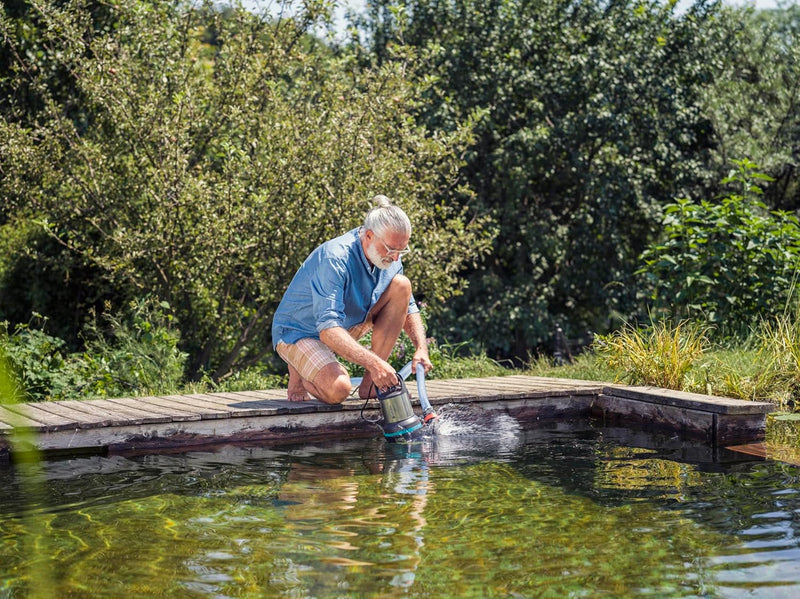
(183, 421)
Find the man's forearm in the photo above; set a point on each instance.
(416, 330)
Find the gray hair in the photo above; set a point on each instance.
(385, 217)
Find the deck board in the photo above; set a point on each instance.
(44, 420)
(81, 419)
(155, 406)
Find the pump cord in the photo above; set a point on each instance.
(366, 401)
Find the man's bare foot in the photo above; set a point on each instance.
(299, 396)
(366, 389)
(297, 391)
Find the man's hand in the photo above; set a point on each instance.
(421, 357)
(383, 375)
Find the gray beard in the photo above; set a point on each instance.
(377, 260)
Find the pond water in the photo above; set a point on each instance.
(484, 508)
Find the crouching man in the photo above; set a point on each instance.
(348, 286)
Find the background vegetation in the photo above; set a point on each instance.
(165, 166)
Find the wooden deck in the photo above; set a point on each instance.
(183, 421)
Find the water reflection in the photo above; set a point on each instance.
(483, 508)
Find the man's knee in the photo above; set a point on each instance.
(338, 391)
(399, 290)
(333, 384)
(401, 284)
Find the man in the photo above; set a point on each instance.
(346, 287)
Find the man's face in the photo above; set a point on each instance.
(385, 249)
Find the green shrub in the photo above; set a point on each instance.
(722, 262)
(134, 353)
(39, 364)
(130, 354)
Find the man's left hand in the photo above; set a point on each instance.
(421, 357)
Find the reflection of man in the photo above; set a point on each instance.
(346, 287)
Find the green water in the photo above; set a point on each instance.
(509, 513)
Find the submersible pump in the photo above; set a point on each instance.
(399, 421)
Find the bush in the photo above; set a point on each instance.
(39, 364)
(131, 354)
(723, 262)
(135, 353)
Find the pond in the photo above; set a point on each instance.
(484, 508)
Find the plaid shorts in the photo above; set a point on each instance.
(308, 356)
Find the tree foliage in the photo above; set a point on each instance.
(213, 151)
(590, 120)
(754, 99)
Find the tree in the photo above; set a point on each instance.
(215, 151)
(590, 121)
(754, 101)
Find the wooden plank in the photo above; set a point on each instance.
(766, 451)
(691, 401)
(447, 391)
(560, 383)
(16, 421)
(542, 383)
(226, 403)
(81, 418)
(105, 416)
(145, 403)
(758, 450)
(53, 422)
(244, 404)
(208, 409)
(134, 415)
(503, 388)
(694, 423)
(246, 400)
(267, 394)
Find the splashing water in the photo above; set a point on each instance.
(459, 420)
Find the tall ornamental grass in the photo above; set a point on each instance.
(660, 355)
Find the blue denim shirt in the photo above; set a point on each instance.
(335, 287)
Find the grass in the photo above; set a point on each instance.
(584, 367)
(765, 367)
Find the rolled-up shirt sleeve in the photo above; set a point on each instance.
(412, 306)
(327, 293)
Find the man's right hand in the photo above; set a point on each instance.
(383, 374)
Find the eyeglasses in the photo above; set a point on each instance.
(390, 251)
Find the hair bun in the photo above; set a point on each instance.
(381, 201)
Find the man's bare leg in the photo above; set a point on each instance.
(388, 317)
